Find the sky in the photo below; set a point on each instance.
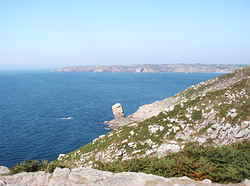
(56, 33)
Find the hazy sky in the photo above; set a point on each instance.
(54, 33)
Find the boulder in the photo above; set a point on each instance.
(167, 148)
(60, 157)
(4, 170)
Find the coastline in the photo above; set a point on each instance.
(154, 68)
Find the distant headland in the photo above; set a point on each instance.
(189, 68)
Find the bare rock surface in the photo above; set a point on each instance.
(92, 177)
(117, 110)
(4, 170)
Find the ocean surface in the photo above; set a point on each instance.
(43, 114)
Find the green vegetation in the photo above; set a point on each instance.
(36, 165)
(203, 130)
(29, 166)
(220, 164)
(196, 115)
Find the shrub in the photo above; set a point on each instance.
(29, 166)
(37, 165)
(220, 164)
(196, 115)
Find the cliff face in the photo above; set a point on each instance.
(215, 112)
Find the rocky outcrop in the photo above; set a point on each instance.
(92, 177)
(118, 111)
(119, 117)
(144, 112)
(4, 170)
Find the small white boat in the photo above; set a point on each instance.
(67, 118)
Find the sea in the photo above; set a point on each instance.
(44, 113)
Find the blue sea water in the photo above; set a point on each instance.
(43, 114)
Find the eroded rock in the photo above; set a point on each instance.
(93, 177)
(118, 111)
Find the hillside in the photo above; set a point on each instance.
(212, 113)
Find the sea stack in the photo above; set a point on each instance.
(117, 110)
